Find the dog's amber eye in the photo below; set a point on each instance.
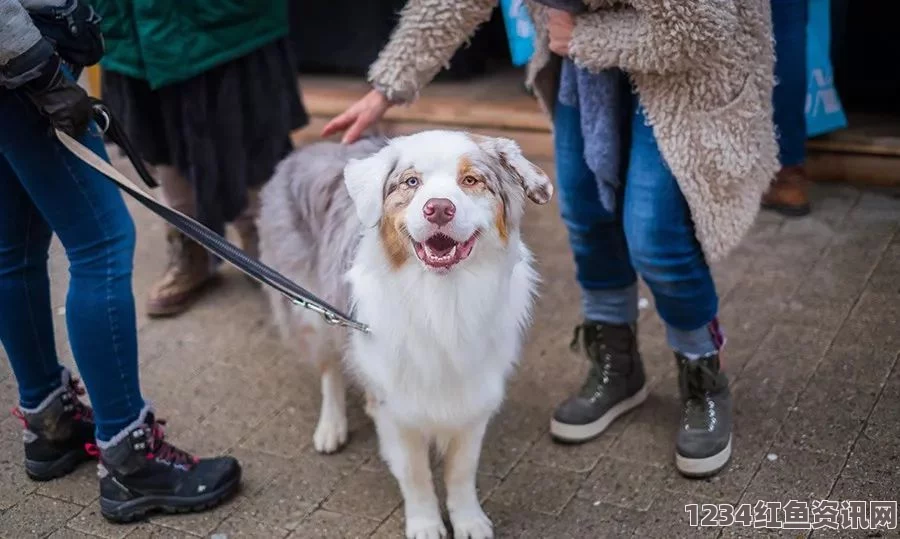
(412, 181)
(469, 181)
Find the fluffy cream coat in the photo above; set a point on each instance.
(703, 70)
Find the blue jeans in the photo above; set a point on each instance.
(45, 189)
(651, 234)
(789, 19)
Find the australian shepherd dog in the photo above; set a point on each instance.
(419, 237)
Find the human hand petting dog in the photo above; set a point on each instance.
(359, 117)
(560, 25)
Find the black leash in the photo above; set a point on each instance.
(211, 241)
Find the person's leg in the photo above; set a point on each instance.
(665, 251)
(93, 224)
(143, 472)
(26, 323)
(56, 424)
(788, 193)
(189, 270)
(615, 381)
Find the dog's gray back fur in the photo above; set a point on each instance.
(308, 226)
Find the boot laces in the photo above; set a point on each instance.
(697, 381)
(80, 411)
(601, 362)
(160, 449)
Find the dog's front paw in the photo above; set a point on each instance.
(471, 524)
(425, 528)
(330, 435)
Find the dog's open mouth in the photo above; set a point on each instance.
(441, 251)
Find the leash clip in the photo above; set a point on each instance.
(330, 317)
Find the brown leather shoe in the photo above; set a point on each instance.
(787, 194)
(187, 275)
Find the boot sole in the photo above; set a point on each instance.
(46, 470)
(565, 432)
(789, 211)
(120, 512)
(183, 302)
(703, 467)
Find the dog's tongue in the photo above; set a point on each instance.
(441, 245)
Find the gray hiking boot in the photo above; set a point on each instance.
(615, 383)
(703, 445)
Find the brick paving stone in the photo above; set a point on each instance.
(828, 416)
(574, 457)
(517, 522)
(90, 521)
(622, 483)
(875, 453)
(14, 484)
(80, 488)
(294, 492)
(152, 531)
(69, 533)
(370, 494)
(324, 523)
(887, 409)
(538, 488)
(509, 436)
(392, 527)
(650, 435)
(667, 517)
(243, 526)
(789, 354)
(795, 474)
(596, 520)
(35, 516)
(197, 523)
(11, 450)
(857, 365)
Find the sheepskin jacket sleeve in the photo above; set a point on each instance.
(649, 36)
(423, 42)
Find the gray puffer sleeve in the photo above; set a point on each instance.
(23, 51)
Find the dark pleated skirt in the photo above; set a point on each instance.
(225, 129)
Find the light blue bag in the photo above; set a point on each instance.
(824, 112)
(519, 30)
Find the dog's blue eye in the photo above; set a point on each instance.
(412, 182)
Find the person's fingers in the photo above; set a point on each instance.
(355, 130)
(338, 123)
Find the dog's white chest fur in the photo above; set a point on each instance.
(441, 346)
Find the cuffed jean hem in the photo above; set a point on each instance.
(614, 306)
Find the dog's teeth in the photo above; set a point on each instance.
(452, 252)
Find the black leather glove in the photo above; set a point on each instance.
(60, 99)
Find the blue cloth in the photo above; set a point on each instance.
(45, 189)
(649, 234)
(599, 99)
(789, 20)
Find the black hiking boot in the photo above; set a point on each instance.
(615, 383)
(703, 445)
(57, 432)
(142, 473)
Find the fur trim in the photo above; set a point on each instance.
(65, 379)
(141, 420)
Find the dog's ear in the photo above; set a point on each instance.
(534, 181)
(364, 179)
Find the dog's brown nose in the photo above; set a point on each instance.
(439, 211)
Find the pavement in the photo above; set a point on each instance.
(811, 308)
